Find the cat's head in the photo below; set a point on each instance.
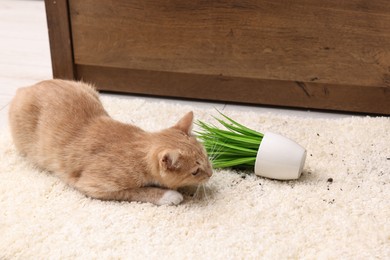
(182, 160)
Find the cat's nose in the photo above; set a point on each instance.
(209, 172)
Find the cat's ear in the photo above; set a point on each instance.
(169, 159)
(185, 124)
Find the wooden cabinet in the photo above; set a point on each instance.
(298, 53)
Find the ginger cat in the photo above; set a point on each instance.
(62, 127)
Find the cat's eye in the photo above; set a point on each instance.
(195, 172)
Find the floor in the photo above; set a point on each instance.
(25, 58)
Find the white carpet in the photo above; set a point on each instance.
(243, 216)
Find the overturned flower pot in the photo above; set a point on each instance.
(279, 158)
(269, 155)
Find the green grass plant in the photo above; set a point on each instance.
(235, 146)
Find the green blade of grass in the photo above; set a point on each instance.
(226, 153)
(242, 127)
(240, 138)
(233, 140)
(232, 129)
(230, 137)
(235, 146)
(234, 162)
(235, 129)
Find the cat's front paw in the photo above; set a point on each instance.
(170, 197)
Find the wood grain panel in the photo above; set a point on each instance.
(333, 42)
(243, 90)
(60, 39)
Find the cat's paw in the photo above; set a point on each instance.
(170, 197)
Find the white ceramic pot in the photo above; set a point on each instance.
(279, 158)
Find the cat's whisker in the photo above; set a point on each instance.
(215, 149)
(201, 193)
(205, 193)
(196, 194)
(212, 150)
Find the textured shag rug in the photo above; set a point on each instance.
(339, 208)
